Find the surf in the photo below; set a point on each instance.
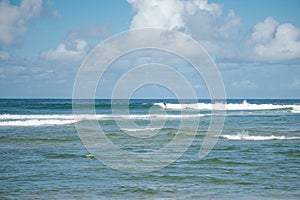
(65, 119)
(244, 135)
(244, 106)
(36, 122)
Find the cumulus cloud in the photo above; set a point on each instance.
(14, 18)
(188, 16)
(171, 14)
(274, 41)
(72, 51)
(76, 44)
(157, 14)
(202, 20)
(218, 31)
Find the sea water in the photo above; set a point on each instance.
(257, 154)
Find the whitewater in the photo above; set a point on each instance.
(63, 119)
(244, 106)
(256, 155)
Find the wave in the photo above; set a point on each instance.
(296, 109)
(140, 129)
(36, 122)
(64, 119)
(20, 117)
(230, 106)
(94, 117)
(245, 136)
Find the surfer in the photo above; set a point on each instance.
(165, 105)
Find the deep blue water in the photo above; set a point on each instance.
(257, 155)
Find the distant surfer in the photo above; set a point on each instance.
(165, 105)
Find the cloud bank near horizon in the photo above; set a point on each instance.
(206, 22)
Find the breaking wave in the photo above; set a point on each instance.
(140, 129)
(244, 135)
(230, 106)
(56, 119)
(36, 122)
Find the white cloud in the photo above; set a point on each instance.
(274, 41)
(13, 19)
(264, 31)
(180, 15)
(204, 21)
(74, 48)
(157, 13)
(218, 32)
(70, 51)
(230, 24)
(244, 84)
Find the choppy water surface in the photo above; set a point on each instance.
(257, 155)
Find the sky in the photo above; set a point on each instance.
(254, 44)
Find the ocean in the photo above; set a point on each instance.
(256, 155)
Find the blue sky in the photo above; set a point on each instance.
(255, 44)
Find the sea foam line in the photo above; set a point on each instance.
(56, 119)
(230, 106)
(35, 122)
(94, 117)
(242, 136)
(140, 129)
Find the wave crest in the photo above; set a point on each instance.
(230, 106)
(244, 135)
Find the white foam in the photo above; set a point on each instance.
(245, 136)
(56, 119)
(140, 129)
(230, 106)
(247, 106)
(175, 106)
(93, 117)
(24, 117)
(36, 122)
(296, 109)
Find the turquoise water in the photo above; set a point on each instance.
(257, 155)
